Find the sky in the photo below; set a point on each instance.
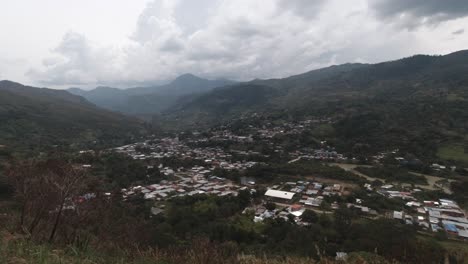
(123, 43)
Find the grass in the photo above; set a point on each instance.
(455, 97)
(453, 152)
(17, 250)
(323, 130)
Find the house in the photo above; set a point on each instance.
(398, 215)
(295, 207)
(341, 256)
(463, 234)
(450, 228)
(156, 211)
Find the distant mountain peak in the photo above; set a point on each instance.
(103, 88)
(9, 83)
(187, 77)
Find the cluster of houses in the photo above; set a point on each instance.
(322, 154)
(295, 198)
(189, 183)
(443, 214)
(390, 191)
(212, 157)
(293, 211)
(438, 215)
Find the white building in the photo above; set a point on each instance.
(280, 194)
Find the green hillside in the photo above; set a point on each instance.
(416, 104)
(44, 118)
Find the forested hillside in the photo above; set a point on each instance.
(151, 99)
(43, 118)
(417, 103)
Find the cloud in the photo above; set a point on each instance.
(413, 13)
(241, 40)
(77, 61)
(458, 32)
(304, 8)
(11, 67)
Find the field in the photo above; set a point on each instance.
(453, 152)
(431, 180)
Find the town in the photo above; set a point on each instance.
(281, 199)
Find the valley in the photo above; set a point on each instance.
(327, 157)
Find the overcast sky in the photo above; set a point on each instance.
(62, 43)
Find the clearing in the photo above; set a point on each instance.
(453, 152)
(431, 180)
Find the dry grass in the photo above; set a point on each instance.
(17, 250)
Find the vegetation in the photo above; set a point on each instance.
(460, 192)
(33, 119)
(150, 99)
(392, 174)
(119, 170)
(65, 205)
(407, 104)
(453, 152)
(17, 250)
(301, 169)
(54, 210)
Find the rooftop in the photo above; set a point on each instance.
(280, 194)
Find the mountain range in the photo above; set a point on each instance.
(151, 99)
(418, 104)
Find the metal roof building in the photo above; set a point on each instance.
(280, 194)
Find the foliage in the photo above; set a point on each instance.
(270, 206)
(406, 104)
(108, 223)
(460, 192)
(120, 170)
(150, 99)
(453, 152)
(309, 169)
(392, 174)
(309, 216)
(34, 119)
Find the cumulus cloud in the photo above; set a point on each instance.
(242, 40)
(414, 13)
(77, 60)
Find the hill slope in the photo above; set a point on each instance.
(40, 117)
(419, 103)
(149, 100)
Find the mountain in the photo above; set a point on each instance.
(419, 104)
(40, 118)
(151, 99)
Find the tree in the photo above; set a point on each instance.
(326, 206)
(67, 182)
(44, 189)
(324, 220)
(376, 183)
(343, 220)
(309, 216)
(270, 206)
(244, 198)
